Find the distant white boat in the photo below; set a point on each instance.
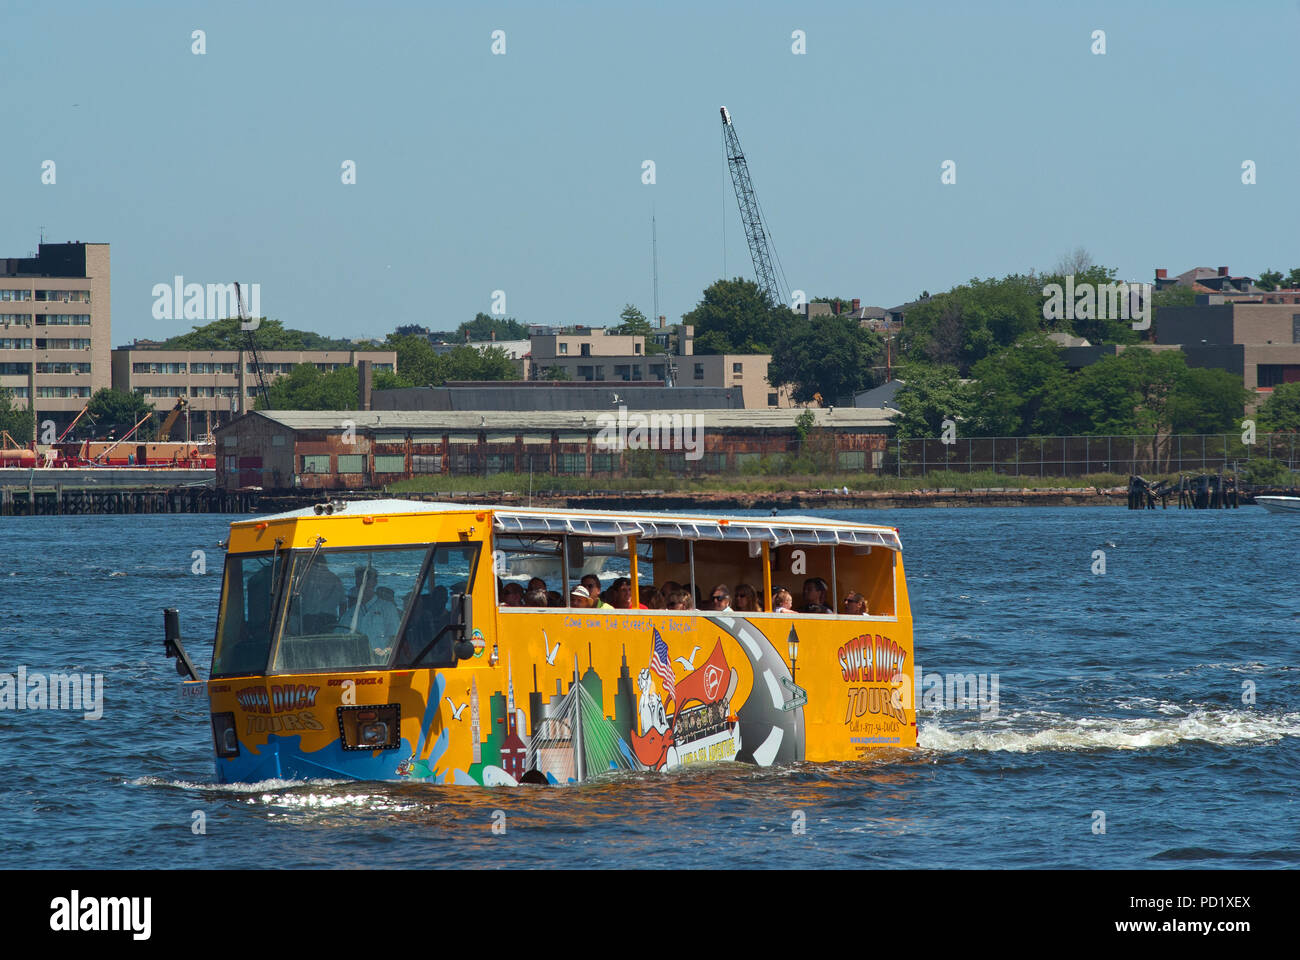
(1279, 504)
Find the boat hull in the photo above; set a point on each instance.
(658, 691)
(1279, 504)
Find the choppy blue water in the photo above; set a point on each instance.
(1119, 693)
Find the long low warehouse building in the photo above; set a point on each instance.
(365, 449)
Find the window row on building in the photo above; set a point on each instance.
(212, 391)
(469, 463)
(63, 319)
(627, 372)
(45, 319)
(153, 390)
(572, 464)
(62, 392)
(23, 369)
(42, 343)
(269, 369)
(47, 296)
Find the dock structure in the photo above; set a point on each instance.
(1207, 491)
(82, 501)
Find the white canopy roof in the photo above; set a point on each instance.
(778, 531)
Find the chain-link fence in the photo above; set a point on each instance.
(1079, 456)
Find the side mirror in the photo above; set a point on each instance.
(173, 646)
(464, 646)
(465, 615)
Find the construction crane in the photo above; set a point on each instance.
(73, 423)
(165, 430)
(766, 265)
(129, 434)
(252, 352)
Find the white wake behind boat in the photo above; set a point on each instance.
(1279, 504)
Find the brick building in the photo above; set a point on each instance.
(365, 449)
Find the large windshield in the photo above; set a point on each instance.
(244, 622)
(344, 608)
(428, 641)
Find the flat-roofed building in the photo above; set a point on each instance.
(554, 395)
(591, 355)
(329, 450)
(1258, 341)
(212, 381)
(55, 328)
(746, 372)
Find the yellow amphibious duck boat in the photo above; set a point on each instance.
(386, 640)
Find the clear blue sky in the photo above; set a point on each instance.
(522, 172)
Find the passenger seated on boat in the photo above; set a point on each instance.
(376, 616)
(554, 598)
(855, 604)
(512, 595)
(668, 587)
(259, 592)
(535, 598)
(651, 599)
(746, 599)
(814, 594)
(432, 612)
(358, 573)
(678, 600)
(592, 583)
(720, 599)
(579, 597)
(782, 602)
(320, 600)
(621, 595)
(537, 583)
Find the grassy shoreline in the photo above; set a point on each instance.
(520, 484)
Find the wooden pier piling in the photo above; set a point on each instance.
(80, 501)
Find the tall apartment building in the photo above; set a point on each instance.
(54, 328)
(212, 381)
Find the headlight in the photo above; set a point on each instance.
(225, 737)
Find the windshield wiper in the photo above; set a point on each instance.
(302, 578)
(274, 582)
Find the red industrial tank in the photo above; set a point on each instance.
(11, 457)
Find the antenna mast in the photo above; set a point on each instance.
(654, 255)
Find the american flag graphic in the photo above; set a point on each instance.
(659, 664)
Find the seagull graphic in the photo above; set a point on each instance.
(550, 651)
(689, 665)
(455, 711)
